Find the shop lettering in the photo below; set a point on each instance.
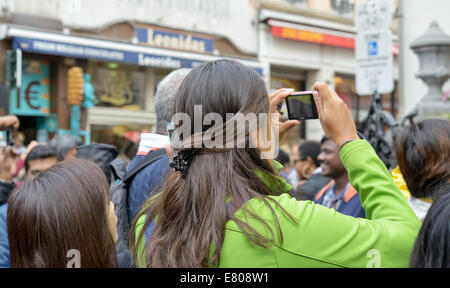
(179, 42)
(301, 35)
(167, 62)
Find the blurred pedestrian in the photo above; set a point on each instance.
(101, 154)
(432, 248)
(308, 168)
(64, 210)
(423, 152)
(65, 146)
(19, 140)
(338, 194)
(226, 206)
(39, 159)
(293, 175)
(7, 171)
(283, 159)
(153, 175)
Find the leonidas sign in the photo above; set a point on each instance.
(172, 40)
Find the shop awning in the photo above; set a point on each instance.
(312, 34)
(293, 31)
(50, 43)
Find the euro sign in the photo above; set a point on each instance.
(29, 95)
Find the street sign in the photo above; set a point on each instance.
(373, 47)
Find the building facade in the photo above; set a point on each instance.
(304, 41)
(124, 49)
(127, 47)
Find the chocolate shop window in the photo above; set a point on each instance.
(118, 86)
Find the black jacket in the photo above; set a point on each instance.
(5, 189)
(308, 190)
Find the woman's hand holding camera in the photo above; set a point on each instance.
(335, 117)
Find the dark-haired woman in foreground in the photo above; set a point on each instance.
(63, 213)
(227, 207)
(432, 247)
(423, 152)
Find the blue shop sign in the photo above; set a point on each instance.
(177, 41)
(103, 54)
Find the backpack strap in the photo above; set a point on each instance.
(151, 157)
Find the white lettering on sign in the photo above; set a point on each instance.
(180, 42)
(80, 51)
(167, 62)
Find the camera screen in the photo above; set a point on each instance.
(301, 107)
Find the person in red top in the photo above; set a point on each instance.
(338, 193)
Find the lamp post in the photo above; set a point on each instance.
(433, 50)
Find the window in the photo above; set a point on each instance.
(342, 6)
(119, 86)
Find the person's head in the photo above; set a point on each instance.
(330, 161)
(19, 139)
(101, 154)
(164, 98)
(39, 159)
(284, 159)
(294, 149)
(307, 160)
(192, 208)
(65, 146)
(67, 207)
(422, 151)
(432, 247)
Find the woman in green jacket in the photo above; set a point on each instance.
(225, 206)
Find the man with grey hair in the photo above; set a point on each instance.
(64, 146)
(143, 184)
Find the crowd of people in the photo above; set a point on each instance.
(331, 205)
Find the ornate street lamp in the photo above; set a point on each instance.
(433, 50)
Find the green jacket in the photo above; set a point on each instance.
(322, 237)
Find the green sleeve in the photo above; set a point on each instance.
(140, 262)
(322, 237)
(380, 197)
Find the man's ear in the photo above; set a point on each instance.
(311, 163)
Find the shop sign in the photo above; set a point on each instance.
(33, 98)
(31, 45)
(171, 40)
(314, 37)
(101, 54)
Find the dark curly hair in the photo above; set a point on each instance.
(423, 152)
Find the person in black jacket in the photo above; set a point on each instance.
(309, 171)
(7, 156)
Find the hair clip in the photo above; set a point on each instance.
(183, 160)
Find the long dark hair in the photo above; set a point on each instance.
(432, 247)
(191, 213)
(422, 151)
(62, 209)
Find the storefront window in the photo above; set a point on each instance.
(117, 85)
(159, 74)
